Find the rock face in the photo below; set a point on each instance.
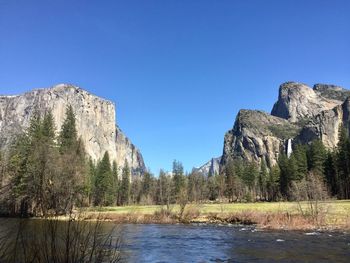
(95, 121)
(301, 114)
(297, 101)
(211, 167)
(257, 135)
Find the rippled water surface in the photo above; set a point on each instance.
(214, 243)
(190, 243)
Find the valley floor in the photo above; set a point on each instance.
(327, 215)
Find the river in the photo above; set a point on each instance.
(216, 243)
(208, 243)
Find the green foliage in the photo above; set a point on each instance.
(43, 180)
(272, 184)
(284, 131)
(262, 180)
(104, 186)
(287, 173)
(68, 135)
(178, 178)
(316, 157)
(125, 185)
(300, 155)
(331, 175)
(250, 174)
(343, 163)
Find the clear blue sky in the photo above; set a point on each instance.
(178, 71)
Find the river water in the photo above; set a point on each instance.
(215, 243)
(208, 243)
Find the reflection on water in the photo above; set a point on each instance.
(208, 243)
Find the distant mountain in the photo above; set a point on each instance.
(95, 120)
(211, 167)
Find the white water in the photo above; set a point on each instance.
(289, 148)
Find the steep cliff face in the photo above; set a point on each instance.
(301, 114)
(325, 125)
(297, 101)
(95, 121)
(257, 135)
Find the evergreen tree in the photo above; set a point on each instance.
(68, 135)
(116, 183)
(263, 175)
(230, 179)
(135, 190)
(300, 156)
(49, 128)
(104, 192)
(272, 183)
(288, 173)
(165, 189)
(125, 185)
(73, 164)
(178, 178)
(249, 175)
(317, 156)
(146, 184)
(90, 182)
(343, 163)
(331, 173)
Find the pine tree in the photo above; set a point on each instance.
(272, 183)
(288, 170)
(330, 172)
(49, 128)
(300, 156)
(343, 163)
(116, 183)
(68, 136)
(125, 185)
(178, 178)
(73, 164)
(90, 181)
(317, 155)
(104, 192)
(263, 174)
(230, 179)
(146, 184)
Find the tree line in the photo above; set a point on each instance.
(48, 172)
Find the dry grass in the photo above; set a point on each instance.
(332, 214)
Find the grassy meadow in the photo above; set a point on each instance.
(293, 215)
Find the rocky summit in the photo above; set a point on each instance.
(300, 115)
(212, 167)
(95, 120)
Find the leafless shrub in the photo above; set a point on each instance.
(54, 240)
(313, 190)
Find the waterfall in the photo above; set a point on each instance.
(289, 147)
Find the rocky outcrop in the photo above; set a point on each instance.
(296, 101)
(301, 114)
(325, 126)
(95, 121)
(257, 135)
(211, 167)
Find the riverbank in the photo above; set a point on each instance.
(327, 215)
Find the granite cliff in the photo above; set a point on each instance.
(211, 167)
(300, 115)
(95, 121)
